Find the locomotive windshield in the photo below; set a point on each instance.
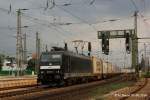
(52, 59)
(45, 58)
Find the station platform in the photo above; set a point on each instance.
(4, 78)
(7, 82)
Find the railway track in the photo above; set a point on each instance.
(135, 92)
(22, 91)
(17, 87)
(54, 93)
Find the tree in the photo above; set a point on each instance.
(1, 60)
(31, 64)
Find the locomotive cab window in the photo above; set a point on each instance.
(52, 59)
(55, 59)
(45, 57)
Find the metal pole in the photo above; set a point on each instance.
(38, 58)
(25, 48)
(37, 52)
(135, 46)
(145, 57)
(102, 69)
(19, 42)
(107, 65)
(19, 47)
(148, 66)
(124, 60)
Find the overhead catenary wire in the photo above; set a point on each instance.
(134, 4)
(55, 29)
(91, 3)
(52, 24)
(36, 19)
(39, 21)
(136, 7)
(77, 17)
(147, 25)
(84, 21)
(47, 5)
(144, 4)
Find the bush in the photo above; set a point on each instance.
(146, 74)
(31, 64)
(5, 73)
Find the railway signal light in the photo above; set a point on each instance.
(89, 47)
(105, 43)
(66, 47)
(107, 46)
(128, 42)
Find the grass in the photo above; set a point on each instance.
(97, 93)
(146, 74)
(8, 73)
(5, 73)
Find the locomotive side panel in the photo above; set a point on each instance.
(80, 65)
(76, 66)
(66, 63)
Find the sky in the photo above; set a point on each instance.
(84, 18)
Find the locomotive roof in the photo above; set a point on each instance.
(68, 53)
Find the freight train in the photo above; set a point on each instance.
(60, 67)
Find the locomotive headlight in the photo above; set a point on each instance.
(42, 72)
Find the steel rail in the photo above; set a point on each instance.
(58, 92)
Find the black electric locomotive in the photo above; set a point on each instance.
(61, 67)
